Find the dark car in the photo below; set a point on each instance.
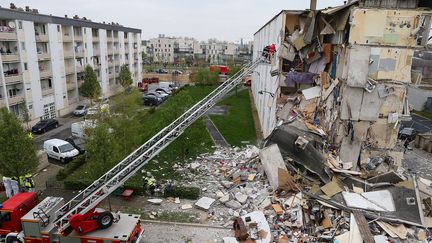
(166, 91)
(45, 125)
(152, 100)
(407, 133)
(160, 70)
(72, 142)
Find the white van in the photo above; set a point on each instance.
(60, 150)
(78, 128)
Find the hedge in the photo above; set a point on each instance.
(71, 167)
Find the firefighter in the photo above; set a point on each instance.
(149, 183)
(7, 186)
(30, 136)
(268, 52)
(27, 183)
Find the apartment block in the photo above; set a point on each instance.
(163, 49)
(42, 59)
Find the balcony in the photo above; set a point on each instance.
(7, 34)
(44, 56)
(78, 38)
(68, 54)
(19, 98)
(41, 38)
(69, 69)
(126, 50)
(46, 92)
(116, 51)
(95, 38)
(12, 79)
(110, 64)
(97, 66)
(96, 52)
(70, 86)
(10, 57)
(67, 38)
(111, 75)
(115, 39)
(110, 49)
(45, 73)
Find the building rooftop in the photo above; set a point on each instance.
(33, 15)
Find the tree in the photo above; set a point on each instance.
(91, 88)
(17, 153)
(25, 116)
(125, 78)
(204, 77)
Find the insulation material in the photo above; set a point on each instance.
(359, 58)
(311, 93)
(381, 201)
(384, 27)
(391, 64)
(370, 107)
(383, 135)
(350, 151)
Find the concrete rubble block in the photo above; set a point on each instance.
(186, 206)
(219, 194)
(225, 198)
(155, 201)
(233, 204)
(205, 203)
(227, 184)
(194, 166)
(272, 161)
(240, 197)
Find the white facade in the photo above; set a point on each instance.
(163, 49)
(43, 58)
(261, 78)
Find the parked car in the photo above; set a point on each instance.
(162, 94)
(162, 97)
(177, 72)
(45, 125)
(169, 85)
(164, 90)
(407, 133)
(152, 100)
(150, 80)
(160, 70)
(98, 108)
(78, 128)
(60, 150)
(80, 149)
(81, 110)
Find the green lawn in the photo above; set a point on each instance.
(194, 141)
(426, 114)
(237, 125)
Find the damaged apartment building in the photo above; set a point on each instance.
(338, 81)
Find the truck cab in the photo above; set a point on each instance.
(13, 209)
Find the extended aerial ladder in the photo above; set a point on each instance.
(83, 205)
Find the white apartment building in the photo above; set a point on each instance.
(163, 49)
(42, 59)
(218, 52)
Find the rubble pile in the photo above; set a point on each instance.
(380, 203)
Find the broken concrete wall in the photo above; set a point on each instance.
(378, 27)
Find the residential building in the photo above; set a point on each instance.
(163, 49)
(43, 58)
(341, 74)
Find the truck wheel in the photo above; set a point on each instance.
(105, 220)
(12, 239)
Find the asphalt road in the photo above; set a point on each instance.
(61, 132)
(421, 124)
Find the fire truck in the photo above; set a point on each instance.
(24, 219)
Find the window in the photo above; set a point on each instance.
(25, 66)
(84, 30)
(23, 46)
(13, 92)
(58, 28)
(169, 45)
(55, 149)
(20, 25)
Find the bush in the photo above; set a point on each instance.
(71, 167)
(185, 192)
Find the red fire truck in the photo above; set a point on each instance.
(219, 69)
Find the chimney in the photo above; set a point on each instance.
(12, 6)
(27, 8)
(313, 4)
(66, 16)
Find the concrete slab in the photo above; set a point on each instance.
(205, 203)
(272, 160)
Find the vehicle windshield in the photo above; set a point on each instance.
(80, 107)
(5, 216)
(41, 123)
(66, 148)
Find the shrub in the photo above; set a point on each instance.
(185, 192)
(71, 167)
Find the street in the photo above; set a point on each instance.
(62, 132)
(421, 124)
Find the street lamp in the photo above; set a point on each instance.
(263, 91)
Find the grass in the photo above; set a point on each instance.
(194, 141)
(238, 124)
(424, 113)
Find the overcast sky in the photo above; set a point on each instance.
(202, 19)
